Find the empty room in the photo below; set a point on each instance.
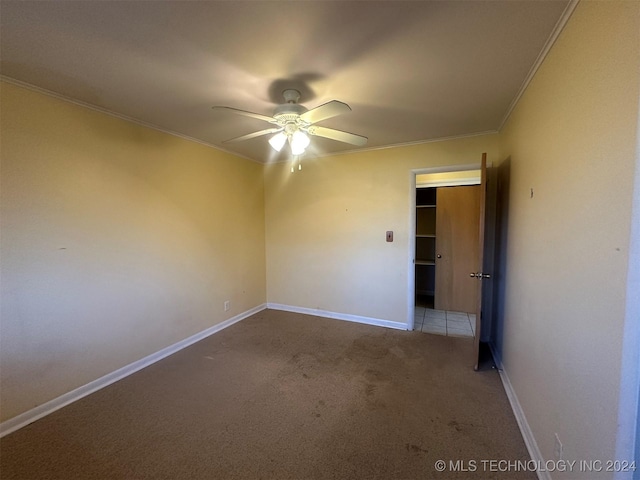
(299, 240)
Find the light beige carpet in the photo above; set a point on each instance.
(283, 396)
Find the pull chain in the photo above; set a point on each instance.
(293, 166)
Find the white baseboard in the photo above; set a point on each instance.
(525, 429)
(339, 316)
(51, 406)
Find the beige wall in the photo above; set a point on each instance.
(572, 139)
(326, 227)
(117, 241)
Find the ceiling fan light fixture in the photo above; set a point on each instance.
(278, 141)
(293, 123)
(299, 142)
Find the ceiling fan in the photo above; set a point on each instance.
(294, 122)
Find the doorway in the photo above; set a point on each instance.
(444, 243)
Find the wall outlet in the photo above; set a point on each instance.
(227, 306)
(557, 448)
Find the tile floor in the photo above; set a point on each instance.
(440, 322)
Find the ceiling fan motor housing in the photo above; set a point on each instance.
(288, 114)
(292, 109)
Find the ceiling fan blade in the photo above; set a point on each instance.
(338, 135)
(247, 114)
(328, 110)
(253, 135)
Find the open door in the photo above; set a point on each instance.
(479, 274)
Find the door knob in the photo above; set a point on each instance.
(479, 275)
(438, 256)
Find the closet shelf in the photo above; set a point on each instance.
(426, 235)
(425, 206)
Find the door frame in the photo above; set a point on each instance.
(411, 272)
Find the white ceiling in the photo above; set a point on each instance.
(411, 71)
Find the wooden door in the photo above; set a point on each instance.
(478, 274)
(457, 215)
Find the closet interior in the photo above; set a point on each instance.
(447, 220)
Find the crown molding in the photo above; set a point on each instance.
(80, 103)
(395, 145)
(414, 143)
(555, 33)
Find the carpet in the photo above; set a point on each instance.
(282, 395)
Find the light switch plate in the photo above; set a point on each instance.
(389, 236)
